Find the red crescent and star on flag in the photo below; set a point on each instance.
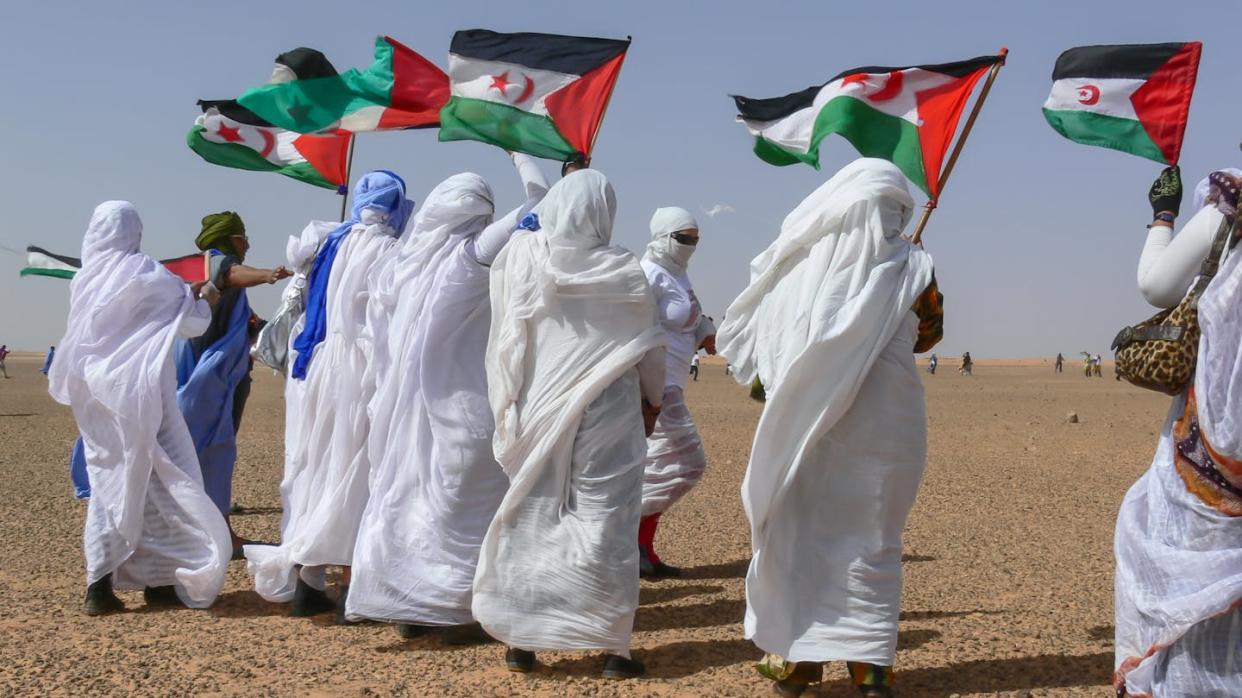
(891, 88)
(502, 83)
(1088, 95)
(232, 134)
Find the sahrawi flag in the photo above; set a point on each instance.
(541, 94)
(40, 262)
(906, 115)
(1134, 98)
(232, 136)
(400, 90)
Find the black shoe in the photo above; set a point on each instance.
(410, 631)
(309, 601)
(876, 691)
(100, 599)
(655, 570)
(645, 568)
(468, 634)
(161, 596)
(519, 661)
(340, 607)
(618, 668)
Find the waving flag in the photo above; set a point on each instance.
(541, 94)
(230, 135)
(40, 262)
(1134, 98)
(400, 90)
(906, 115)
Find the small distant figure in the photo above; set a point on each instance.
(932, 363)
(1097, 365)
(968, 365)
(1086, 364)
(4, 352)
(694, 367)
(47, 362)
(1060, 363)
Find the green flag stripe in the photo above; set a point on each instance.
(502, 125)
(872, 132)
(1118, 133)
(58, 273)
(244, 158)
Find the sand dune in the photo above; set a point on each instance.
(1008, 586)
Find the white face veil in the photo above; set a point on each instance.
(663, 249)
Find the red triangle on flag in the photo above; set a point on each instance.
(578, 108)
(1162, 104)
(940, 108)
(327, 154)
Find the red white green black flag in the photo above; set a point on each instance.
(1134, 98)
(541, 94)
(906, 115)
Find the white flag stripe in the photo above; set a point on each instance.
(524, 88)
(38, 260)
(1110, 96)
(274, 144)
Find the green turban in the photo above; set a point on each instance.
(217, 228)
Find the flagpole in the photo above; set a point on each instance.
(349, 166)
(957, 148)
(607, 103)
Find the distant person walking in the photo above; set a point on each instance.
(694, 367)
(932, 363)
(968, 365)
(1097, 365)
(4, 352)
(47, 362)
(1086, 364)
(1060, 363)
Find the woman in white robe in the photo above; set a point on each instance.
(1178, 545)
(435, 482)
(675, 458)
(149, 524)
(826, 325)
(324, 490)
(574, 351)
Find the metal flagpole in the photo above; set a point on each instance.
(957, 149)
(349, 166)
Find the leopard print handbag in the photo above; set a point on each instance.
(1160, 352)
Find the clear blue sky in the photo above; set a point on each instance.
(1036, 239)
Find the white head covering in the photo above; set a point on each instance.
(663, 249)
(124, 308)
(1218, 372)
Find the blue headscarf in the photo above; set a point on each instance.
(381, 190)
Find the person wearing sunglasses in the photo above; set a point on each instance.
(675, 459)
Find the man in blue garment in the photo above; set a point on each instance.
(213, 369)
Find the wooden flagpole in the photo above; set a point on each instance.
(957, 148)
(349, 166)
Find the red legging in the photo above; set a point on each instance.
(646, 536)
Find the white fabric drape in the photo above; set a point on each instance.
(571, 319)
(675, 459)
(149, 521)
(435, 482)
(1178, 584)
(325, 483)
(839, 450)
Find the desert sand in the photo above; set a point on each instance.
(1008, 564)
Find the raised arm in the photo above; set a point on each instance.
(492, 240)
(1169, 262)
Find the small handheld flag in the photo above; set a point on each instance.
(540, 94)
(1134, 98)
(40, 262)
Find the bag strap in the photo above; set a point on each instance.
(1212, 262)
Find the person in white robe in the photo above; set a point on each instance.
(325, 490)
(149, 523)
(435, 482)
(826, 325)
(1178, 543)
(675, 458)
(575, 364)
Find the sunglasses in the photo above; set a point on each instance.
(685, 238)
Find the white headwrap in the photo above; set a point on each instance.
(663, 249)
(1204, 187)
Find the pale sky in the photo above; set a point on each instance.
(1036, 239)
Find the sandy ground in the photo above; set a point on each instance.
(1008, 564)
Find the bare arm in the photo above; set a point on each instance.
(242, 276)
